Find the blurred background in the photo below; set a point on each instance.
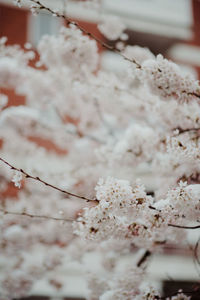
(170, 27)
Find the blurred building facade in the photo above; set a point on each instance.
(168, 27)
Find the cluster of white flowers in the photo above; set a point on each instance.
(109, 216)
(138, 143)
(71, 49)
(184, 200)
(128, 213)
(137, 53)
(17, 2)
(15, 285)
(35, 9)
(13, 60)
(184, 147)
(111, 27)
(167, 80)
(123, 286)
(127, 285)
(81, 123)
(17, 178)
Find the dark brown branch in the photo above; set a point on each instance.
(194, 94)
(186, 130)
(46, 183)
(5, 212)
(152, 207)
(194, 178)
(144, 257)
(184, 227)
(78, 196)
(174, 225)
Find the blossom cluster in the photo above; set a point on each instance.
(80, 123)
(127, 213)
(166, 79)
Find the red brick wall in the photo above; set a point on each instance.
(13, 24)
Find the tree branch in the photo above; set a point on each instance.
(46, 183)
(144, 257)
(5, 212)
(184, 227)
(75, 195)
(186, 130)
(174, 225)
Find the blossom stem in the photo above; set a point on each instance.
(5, 212)
(144, 257)
(45, 183)
(184, 227)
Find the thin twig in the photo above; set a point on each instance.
(174, 225)
(45, 183)
(144, 257)
(184, 227)
(194, 178)
(186, 130)
(5, 212)
(75, 195)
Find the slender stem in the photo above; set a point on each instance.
(78, 196)
(184, 227)
(144, 257)
(5, 212)
(186, 130)
(174, 225)
(46, 183)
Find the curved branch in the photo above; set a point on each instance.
(174, 225)
(5, 212)
(46, 183)
(181, 130)
(184, 227)
(78, 196)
